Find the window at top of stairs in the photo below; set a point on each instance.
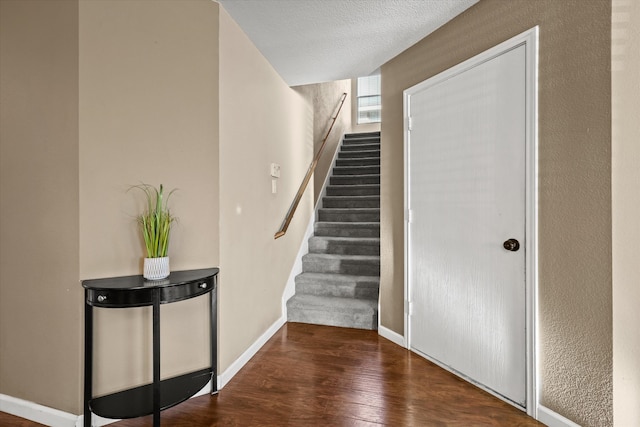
(369, 99)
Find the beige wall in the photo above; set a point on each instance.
(323, 99)
(575, 320)
(98, 96)
(148, 113)
(40, 297)
(625, 62)
(262, 121)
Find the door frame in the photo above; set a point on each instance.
(529, 39)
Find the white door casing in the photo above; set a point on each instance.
(470, 185)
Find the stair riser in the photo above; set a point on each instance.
(326, 241)
(354, 179)
(323, 289)
(329, 216)
(361, 141)
(347, 320)
(338, 230)
(347, 202)
(358, 154)
(359, 147)
(364, 161)
(334, 280)
(375, 134)
(341, 267)
(348, 190)
(356, 170)
(316, 247)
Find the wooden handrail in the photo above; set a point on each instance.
(307, 177)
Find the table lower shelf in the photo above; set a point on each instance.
(138, 401)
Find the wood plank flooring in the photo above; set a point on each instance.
(8, 420)
(308, 375)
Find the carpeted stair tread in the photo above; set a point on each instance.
(335, 303)
(354, 179)
(369, 146)
(361, 265)
(360, 142)
(350, 240)
(362, 134)
(359, 153)
(355, 258)
(359, 161)
(349, 214)
(347, 229)
(368, 201)
(338, 285)
(341, 279)
(345, 245)
(333, 311)
(357, 170)
(353, 190)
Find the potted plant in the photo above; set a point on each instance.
(155, 224)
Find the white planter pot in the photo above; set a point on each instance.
(156, 268)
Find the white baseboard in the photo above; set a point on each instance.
(394, 337)
(37, 413)
(232, 370)
(290, 287)
(553, 419)
(48, 416)
(96, 421)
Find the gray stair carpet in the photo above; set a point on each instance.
(340, 278)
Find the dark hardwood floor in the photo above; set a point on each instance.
(309, 375)
(8, 420)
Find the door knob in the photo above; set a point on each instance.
(511, 245)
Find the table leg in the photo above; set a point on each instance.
(213, 330)
(88, 359)
(156, 358)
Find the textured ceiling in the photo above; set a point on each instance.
(313, 41)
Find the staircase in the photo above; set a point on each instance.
(340, 275)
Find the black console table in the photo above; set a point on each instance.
(135, 291)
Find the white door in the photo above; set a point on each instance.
(466, 198)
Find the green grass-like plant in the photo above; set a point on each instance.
(155, 222)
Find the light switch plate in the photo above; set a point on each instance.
(275, 170)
